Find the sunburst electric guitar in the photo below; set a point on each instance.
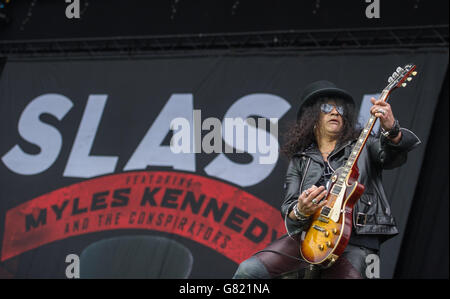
(329, 233)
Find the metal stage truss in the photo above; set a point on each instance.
(290, 40)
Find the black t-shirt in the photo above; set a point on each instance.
(369, 241)
(326, 175)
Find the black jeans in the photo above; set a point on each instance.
(279, 259)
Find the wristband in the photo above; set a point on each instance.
(393, 132)
(298, 214)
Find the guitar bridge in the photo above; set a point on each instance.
(321, 219)
(320, 229)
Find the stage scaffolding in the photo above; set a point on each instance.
(268, 41)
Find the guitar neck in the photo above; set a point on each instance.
(397, 79)
(362, 139)
(358, 147)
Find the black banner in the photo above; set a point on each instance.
(85, 151)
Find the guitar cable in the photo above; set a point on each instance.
(281, 253)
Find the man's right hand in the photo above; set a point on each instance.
(306, 206)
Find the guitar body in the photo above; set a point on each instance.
(326, 239)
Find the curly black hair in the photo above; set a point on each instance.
(300, 135)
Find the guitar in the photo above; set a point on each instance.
(329, 233)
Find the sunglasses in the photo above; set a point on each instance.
(327, 108)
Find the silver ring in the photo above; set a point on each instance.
(314, 201)
(306, 193)
(381, 111)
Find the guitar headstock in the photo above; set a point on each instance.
(401, 75)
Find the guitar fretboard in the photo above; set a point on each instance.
(356, 150)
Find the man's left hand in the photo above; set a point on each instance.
(383, 111)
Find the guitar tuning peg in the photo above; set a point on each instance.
(399, 69)
(409, 78)
(394, 75)
(390, 79)
(404, 84)
(414, 73)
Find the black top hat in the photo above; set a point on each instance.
(319, 89)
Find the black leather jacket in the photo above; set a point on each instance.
(372, 212)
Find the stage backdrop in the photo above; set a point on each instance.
(85, 152)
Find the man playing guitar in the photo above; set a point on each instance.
(320, 142)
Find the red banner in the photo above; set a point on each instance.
(215, 214)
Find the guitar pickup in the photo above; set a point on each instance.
(336, 189)
(325, 211)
